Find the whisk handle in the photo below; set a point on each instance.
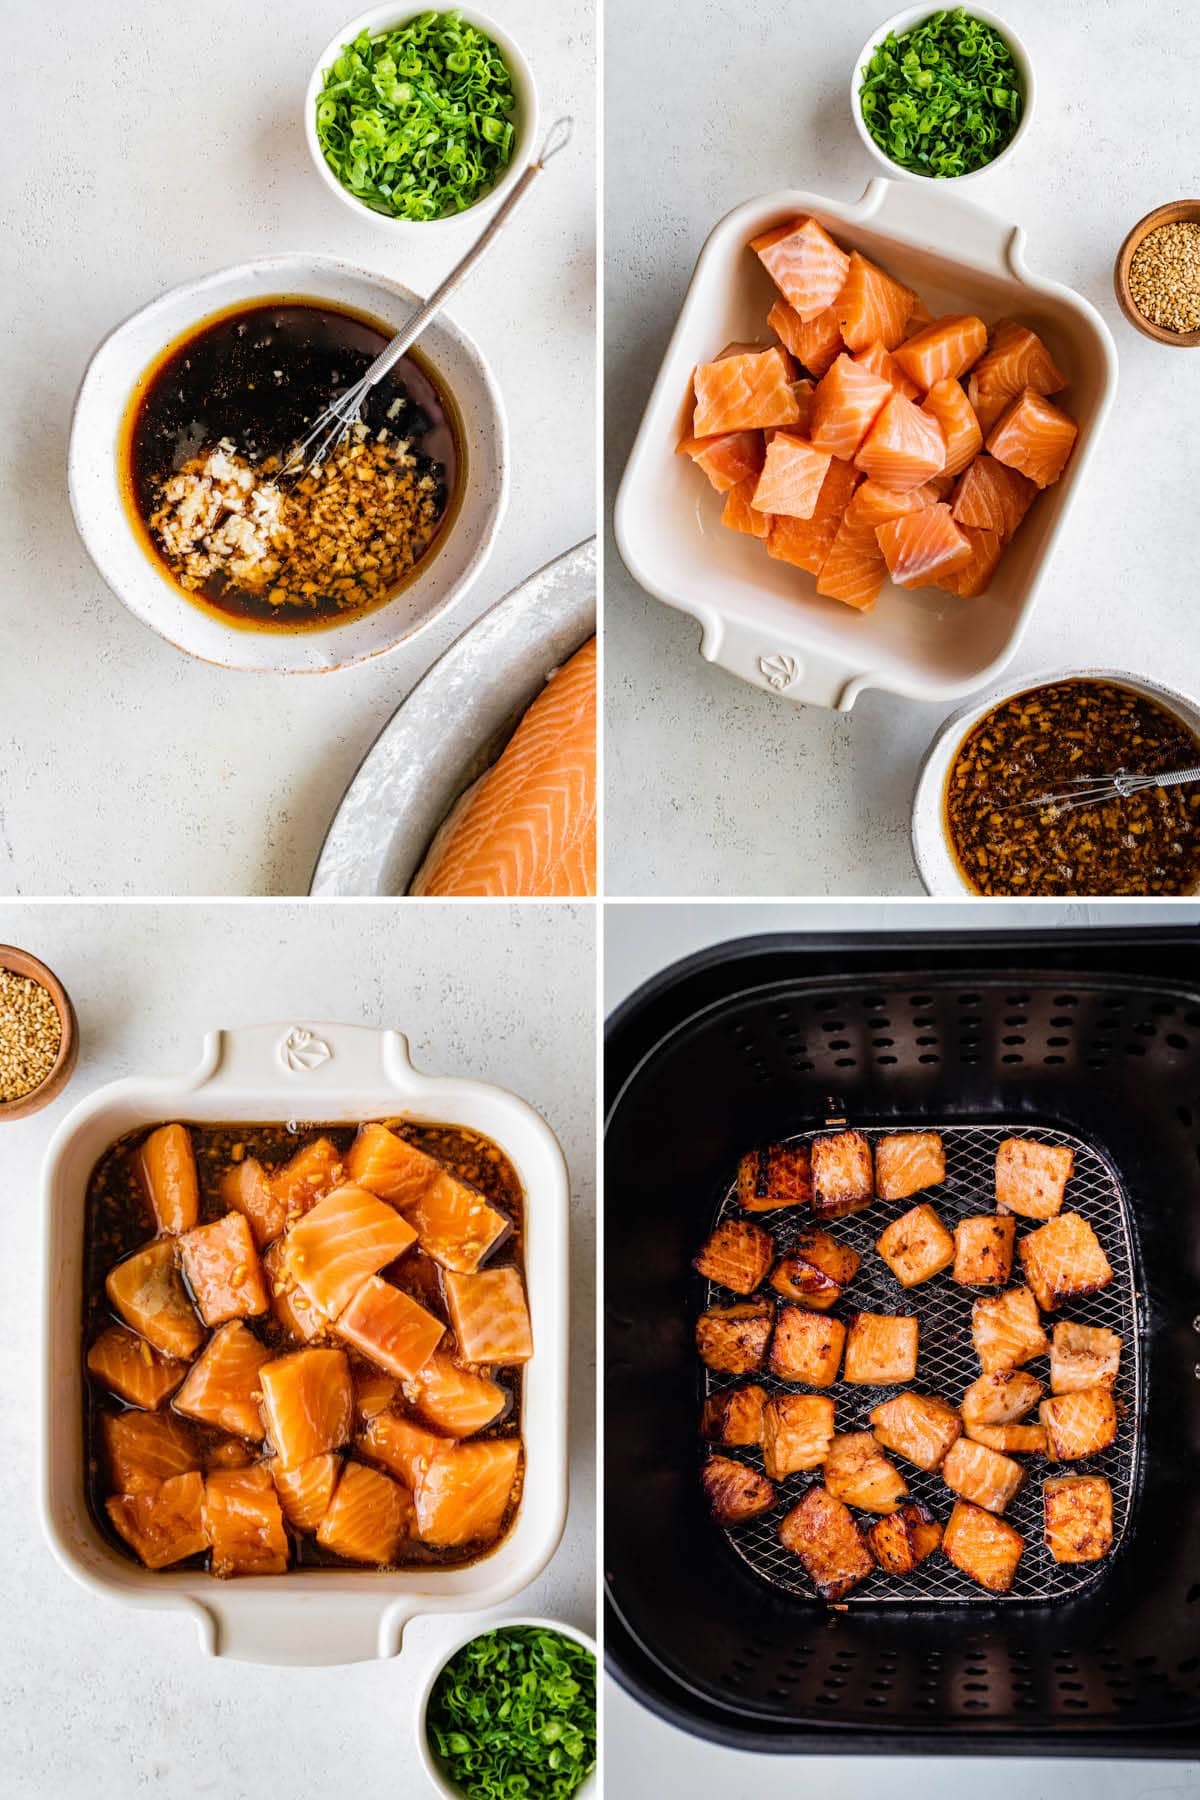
(1178, 778)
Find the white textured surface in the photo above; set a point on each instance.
(718, 789)
(95, 1698)
(126, 767)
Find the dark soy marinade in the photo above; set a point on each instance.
(118, 1221)
(1034, 745)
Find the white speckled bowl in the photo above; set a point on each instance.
(141, 583)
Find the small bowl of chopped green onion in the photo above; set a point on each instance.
(942, 95)
(511, 1709)
(416, 118)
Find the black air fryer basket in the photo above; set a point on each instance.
(1092, 1034)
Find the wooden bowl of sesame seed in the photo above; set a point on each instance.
(1157, 274)
(38, 1041)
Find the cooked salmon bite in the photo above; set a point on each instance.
(1063, 1260)
(797, 1430)
(166, 1164)
(737, 1256)
(1007, 1330)
(1031, 1178)
(735, 1492)
(821, 1531)
(916, 1246)
(734, 1416)
(1011, 1440)
(807, 1346)
(900, 1541)
(1083, 1356)
(857, 1471)
(983, 1250)
(984, 1547)
(918, 1427)
(1078, 1425)
(1078, 1512)
(1000, 1397)
(223, 1387)
(982, 1476)
(780, 1175)
(816, 1270)
(881, 1350)
(843, 1174)
(908, 1162)
(733, 1339)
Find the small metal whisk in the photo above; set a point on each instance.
(1094, 790)
(341, 415)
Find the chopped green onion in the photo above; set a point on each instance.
(514, 1713)
(944, 99)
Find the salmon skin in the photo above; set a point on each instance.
(244, 1521)
(307, 1404)
(145, 1289)
(390, 1327)
(748, 391)
(345, 1237)
(462, 1494)
(167, 1166)
(490, 1316)
(368, 1518)
(132, 1368)
(805, 264)
(165, 1526)
(222, 1388)
(144, 1449)
(456, 1401)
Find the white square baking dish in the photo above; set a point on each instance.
(762, 619)
(315, 1074)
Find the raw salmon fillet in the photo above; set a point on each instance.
(1016, 359)
(374, 1391)
(401, 1445)
(244, 1522)
(528, 826)
(922, 546)
(245, 1188)
(305, 1491)
(974, 577)
(739, 513)
(164, 1526)
(908, 1162)
(1034, 437)
(133, 1369)
(1031, 1178)
(166, 1164)
(223, 1386)
(854, 571)
(344, 1238)
(223, 1271)
(307, 1404)
(390, 1327)
(792, 476)
(744, 392)
(144, 1449)
(489, 1316)
(463, 1493)
(1007, 1331)
(456, 1401)
(992, 497)
(289, 1303)
(815, 343)
(918, 1427)
(903, 448)
(455, 1225)
(389, 1167)
(845, 405)
(984, 1547)
(147, 1292)
(727, 458)
(807, 542)
(948, 404)
(982, 1476)
(872, 307)
(313, 1172)
(944, 350)
(369, 1517)
(882, 362)
(805, 264)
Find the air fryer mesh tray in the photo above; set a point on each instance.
(947, 1364)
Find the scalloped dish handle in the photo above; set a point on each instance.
(799, 676)
(267, 1633)
(313, 1057)
(980, 236)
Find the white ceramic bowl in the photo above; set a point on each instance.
(904, 21)
(140, 582)
(337, 1073)
(433, 1768)
(525, 119)
(931, 848)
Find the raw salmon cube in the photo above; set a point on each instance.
(882, 362)
(854, 571)
(843, 1174)
(390, 1327)
(797, 1430)
(1031, 1178)
(900, 1541)
(1063, 1260)
(961, 431)
(792, 476)
(315, 1169)
(223, 1271)
(872, 306)
(734, 1416)
(908, 1162)
(166, 1164)
(739, 513)
(223, 1386)
(141, 1450)
(133, 1369)
(821, 1531)
(807, 542)
(815, 343)
(857, 1471)
(374, 1391)
(973, 577)
(307, 1404)
(147, 1292)
(881, 1350)
(244, 1188)
(923, 546)
(1000, 1397)
(305, 1491)
(1007, 1330)
(1079, 1424)
(737, 1256)
(164, 1526)
(289, 1303)
(1078, 1512)
(847, 401)
(805, 264)
(980, 1475)
(230, 1453)
(918, 318)
(803, 390)
(983, 1250)
(1026, 1440)
(381, 1161)
(904, 447)
(807, 1346)
(244, 1522)
(916, 1246)
(454, 1400)
(455, 1225)
(917, 1427)
(345, 1237)
(984, 1547)
(1083, 1356)
(1016, 359)
(778, 1176)
(401, 1445)
(735, 1492)
(489, 1316)
(369, 1517)
(733, 1339)
(745, 392)
(943, 351)
(816, 1270)
(725, 460)
(991, 496)
(464, 1494)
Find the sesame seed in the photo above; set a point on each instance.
(1164, 276)
(30, 1035)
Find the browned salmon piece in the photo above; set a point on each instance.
(164, 1526)
(1031, 1178)
(244, 1522)
(984, 1547)
(374, 1391)
(842, 1174)
(464, 1493)
(289, 1303)
(1063, 1260)
(916, 1246)
(908, 1162)
(1078, 1511)
(737, 1256)
(223, 1387)
(807, 1346)
(881, 1350)
(490, 1316)
(369, 1517)
(857, 1471)
(982, 1476)
(816, 1270)
(132, 1368)
(457, 1401)
(1078, 1425)
(983, 1250)
(305, 1491)
(223, 1271)
(1007, 1330)
(307, 1404)
(821, 1531)
(1000, 1397)
(401, 1445)
(390, 1327)
(456, 1225)
(143, 1449)
(735, 1492)
(901, 1540)
(780, 1175)
(389, 1166)
(733, 1339)
(342, 1239)
(230, 1453)
(147, 1292)
(918, 1427)
(166, 1166)
(313, 1172)
(734, 1416)
(244, 1188)
(1083, 1356)
(797, 1430)
(1011, 1440)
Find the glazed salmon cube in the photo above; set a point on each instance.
(1078, 1512)
(374, 1392)
(908, 1162)
(904, 447)
(244, 1521)
(305, 1491)
(401, 1445)
(307, 1404)
(918, 1427)
(797, 1430)
(944, 350)
(847, 401)
(792, 476)
(734, 1416)
(983, 1250)
(857, 1471)
(464, 1494)
(456, 1401)
(1031, 1178)
(984, 1547)
(223, 1387)
(726, 459)
(733, 1339)
(390, 1327)
(881, 1350)
(882, 362)
(369, 1517)
(1000, 1397)
(747, 391)
(805, 543)
(961, 431)
(923, 546)
(290, 1305)
(805, 264)
(820, 1530)
(1083, 1356)
(345, 1237)
(737, 1256)
(244, 1188)
(1023, 1440)
(816, 1270)
(1078, 1425)
(315, 1170)
(739, 513)
(164, 1526)
(223, 1271)
(489, 1316)
(142, 1450)
(166, 1164)
(916, 1246)
(807, 1346)
(1063, 1261)
(735, 1492)
(972, 578)
(982, 1476)
(872, 306)
(132, 1368)
(1007, 1331)
(387, 1165)
(815, 343)
(147, 1292)
(900, 1541)
(778, 1176)
(842, 1173)
(455, 1225)
(991, 496)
